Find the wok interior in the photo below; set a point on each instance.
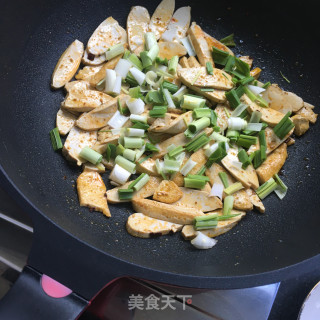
(286, 234)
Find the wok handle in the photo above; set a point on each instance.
(36, 296)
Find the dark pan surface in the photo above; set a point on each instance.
(289, 231)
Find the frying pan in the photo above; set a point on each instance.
(83, 249)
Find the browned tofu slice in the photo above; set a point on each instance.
(199, 77)
(248, 60)
(301, 124)
(200, 44)
(142, 226)
(273, 163)
(91, 192)
(193, 62)
(308, 113)
(212, 42)
(167, 192)
(169, 49)
(65, 121)
(189, 232)
(148, 166)
(255, 200)
(184, 62)
(164, 211)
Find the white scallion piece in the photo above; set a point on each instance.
(116, 131)
(201, 241)
(280, 193)
(117, 120)
(169, 99)
(111, 77)
(189, 165)
(181, 157)
(189, 47)
(159, 166)
(150, 40)
(211, 149)
(235, 123)
(217, 190)
(117, 85)
(140, 152)
(133, 132)
(122, 67)
(136, 117)
(119, 175)
(254, 126)
(138, 75)
(227, 146)
(183, 90)
(236, 164)
(238, 110)
(171, 147)
(256, 90)
(136, 106)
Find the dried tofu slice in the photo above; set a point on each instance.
(167, 192)
(248, 177)
(247, 59)
(67, 65)
(85, 100)
(308, 113)
(87, 73)
(198, 199)
(137, 25)
(221, 111)
(200, 44)
(105, 36)
(170, 49)
(270, 116)
(148, 166)
(212, 42)
(90, 59)
(77, 85)
(199, 77)
(142, 226)
(147, 191)
(161, 17)
(99, 117)
(164, 211)
(272, 164)
(91, 192)
(78, 139)
(193, 62)
(65, 121)
(178, 26)
(255, 200)
(189, 232)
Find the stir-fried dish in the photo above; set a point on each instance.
(191, 136)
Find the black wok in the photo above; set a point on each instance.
(83, 249)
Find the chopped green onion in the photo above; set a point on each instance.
(120, 149)
(135, 61)
(209, 67)
(196, 77)
(145, 158)
(140, 125)
(195, 182)
(242, 69)
(285, 78)
(239, 110)
(171, 165)
(218, 137)
(175, 151)
(154, 97)
(90, 155)
(228, 205)
(135, 93)
(213, 121)
(233, 188)
(188, 166)
(162, 61)
(224, 179)
(232, 135)
(201, 112)
(149, 40)
(129, 154)
(131, 80)
(233, 98)
(263, 103)
(236, 123)
(55, 139)
(101, 84)
(255, 117)
(191, 102)
(158, 111)
(153, 52)
(246, 141)
(114, 51)
(217, 155)
(151, 147)
(131, 143)
(123, 110)
(244, 159)
(281, 189)
(173, 88)
(172, 65)
(201, 177)
(137, 184)
(202, 225)
(207, 89)
(227, 216)
(219, 56)
(168, 98)
(228, 40)
(198, 125)
(246, 80)
(125, 194)
(201, 171)
(197, 143)
(146, 60)
(284, 126)
(230, 65)
(206, 217)
(265, 189)
(125, 164)
(266, 85)
(111, 152)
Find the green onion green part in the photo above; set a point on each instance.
(55, 139)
